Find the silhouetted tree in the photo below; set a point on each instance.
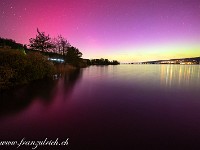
(73, 56)
(61, 44)
(107, 62)
(42, 42)
(115, 62)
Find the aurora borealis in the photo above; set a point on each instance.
(126, 30)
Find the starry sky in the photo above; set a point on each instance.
(125, 30)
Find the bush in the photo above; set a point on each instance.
(18, 68)
(6, 73)
(38, 67)
(15, 60)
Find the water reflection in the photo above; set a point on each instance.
(111, 107)
(179, 75)
(151, 76)
(45, 91)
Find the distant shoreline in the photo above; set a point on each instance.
(180, 61)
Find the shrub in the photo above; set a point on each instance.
(38, 67)
(13, 61)
(6, 73)
(18, 68)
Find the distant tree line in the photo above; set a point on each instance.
(103, 62)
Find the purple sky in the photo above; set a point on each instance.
(126, 30)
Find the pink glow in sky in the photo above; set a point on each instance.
(126, 30)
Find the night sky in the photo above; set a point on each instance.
(126, 30)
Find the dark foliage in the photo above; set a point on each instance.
(103, 62)
(58, 48)
(18, 68)
(73, 56)
(9, 43)
(61, 45)
(42, 42)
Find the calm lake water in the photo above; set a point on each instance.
(110, 107)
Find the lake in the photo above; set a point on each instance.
(108, 107)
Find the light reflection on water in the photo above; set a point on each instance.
(180, 75)
(131, 105)
(169, 76)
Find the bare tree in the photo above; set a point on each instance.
(42, 42)
(63, 45)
